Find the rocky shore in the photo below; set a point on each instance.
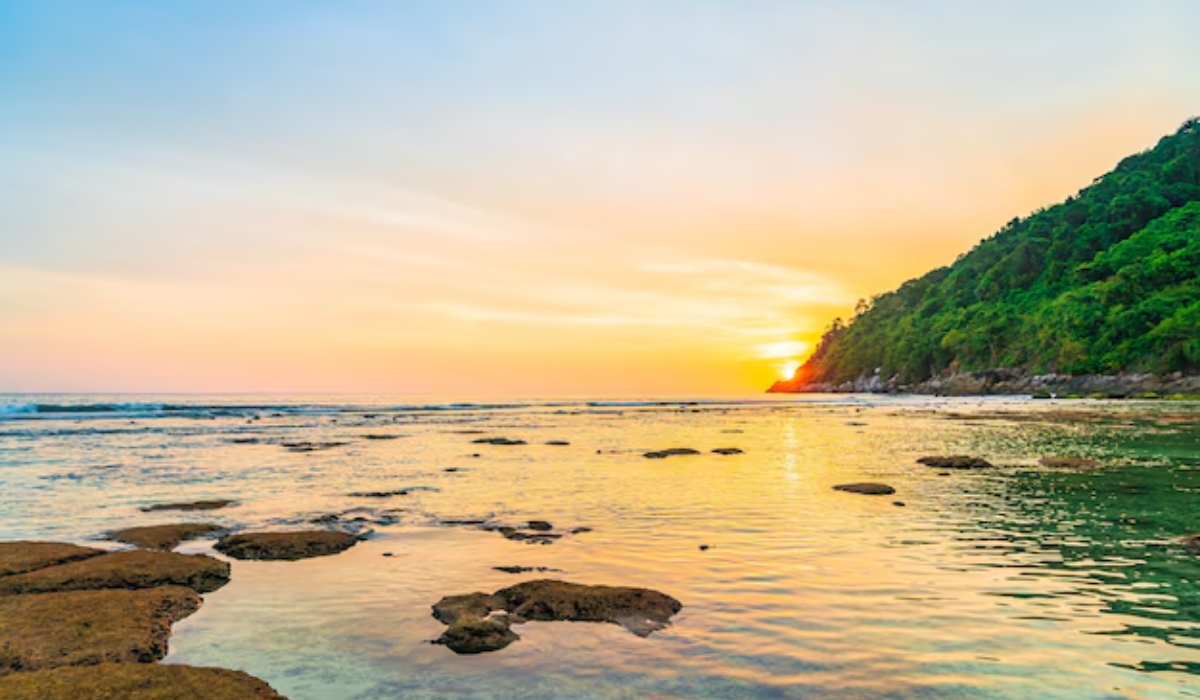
(1006, 381)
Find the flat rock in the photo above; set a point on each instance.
(82, 628)
(163, 537)
(866, 488)
(525, 569)
(478, 622)
(127, 570)
(135, 682)
(671, 452)
(285, 546)
(955, 462)
(212, 504)
(23, 556)
(1069, 462)
(498, 441)
(728, 451)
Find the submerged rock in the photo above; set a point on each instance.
(498, 441)
(128, 570)
(306, 446)
(213, 504)
(478, 622)
(866, 488)
(1069, 462)
(671, 452)
(23, 556)
(525, 569)
(1192, 543)
(163, 537)
(49, 630)
(135, 682)
(379, 494)
(955, 462)
(728, 451)
(285, 546)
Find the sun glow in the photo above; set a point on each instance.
(787, 370)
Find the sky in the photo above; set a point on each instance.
(480, 199)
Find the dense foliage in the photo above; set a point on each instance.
(1107, 281)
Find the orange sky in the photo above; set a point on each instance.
(528, 201)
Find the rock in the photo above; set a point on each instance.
(21, 557)
(379, 494)
(478, 635)
(451, 470)
(478, 622)
(1069, 462)
(377, 436)
(559, 443)
(214, 504)
(639, 610)
(955, 462)
(49, 630)
(529, 537)
(129, 570)
(704, 548)
(245, 440)
(163, 537)
(899, 504)
(540, 526)
(353, 520)
(498, 441)
(306, 446)
(285, 546)
(525, 569)
(671, 452)
(580, 530)
(728, 451)
(1192, 543)
(452, 609)
(135, 682)
(866, 488)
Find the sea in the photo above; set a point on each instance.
(1019, 581)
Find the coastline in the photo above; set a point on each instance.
(1012, 382)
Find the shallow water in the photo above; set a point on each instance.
(1019, 582)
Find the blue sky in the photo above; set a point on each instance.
(527, 197)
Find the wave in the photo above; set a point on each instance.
(14, 407)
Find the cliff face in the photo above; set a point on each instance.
(1104, 285)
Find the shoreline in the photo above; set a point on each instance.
(1011, 382)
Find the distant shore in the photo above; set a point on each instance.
(1011, 382)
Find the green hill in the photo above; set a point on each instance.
(1107, 282)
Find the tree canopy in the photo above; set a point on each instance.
(1105, 282)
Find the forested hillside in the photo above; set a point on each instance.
(1103, 283)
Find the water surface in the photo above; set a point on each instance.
(1019, 582)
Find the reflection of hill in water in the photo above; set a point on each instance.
(1099, 546)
